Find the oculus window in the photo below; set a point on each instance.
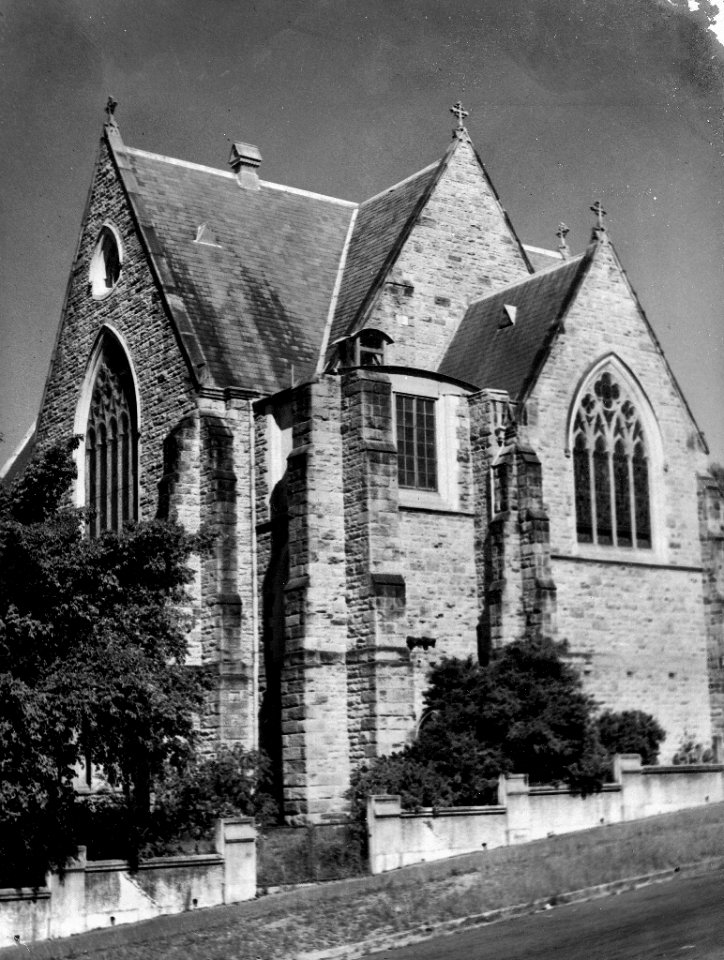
(416, 442)
(105, 267)
(111, 448)
(611, 468)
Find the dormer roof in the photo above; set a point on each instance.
(489, 351)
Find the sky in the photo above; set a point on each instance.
(570, 101)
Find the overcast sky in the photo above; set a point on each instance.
(570, 101)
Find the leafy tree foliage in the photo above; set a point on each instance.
(91, 661)
(631, 731)
(523, 712)
(229, 783)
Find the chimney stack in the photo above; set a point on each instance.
(244, 160)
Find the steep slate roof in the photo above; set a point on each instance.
(380, 224)
(254, 299)
(488, 354)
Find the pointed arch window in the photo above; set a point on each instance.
(611, 468)
(105, 266)
(112, 444)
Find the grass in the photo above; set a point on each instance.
(501, 877)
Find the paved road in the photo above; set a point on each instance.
(683, 918)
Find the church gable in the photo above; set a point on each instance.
(605, 329)
(458, 244)
(114, 301)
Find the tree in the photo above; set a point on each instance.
(523, 712)
(631, 731)
(92, 658)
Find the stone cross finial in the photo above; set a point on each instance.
(110, 110)
(562, 232)
(458, 111)
(597, 208)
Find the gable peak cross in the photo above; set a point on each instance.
(597, 208)
(562, 232)
(110, 110)
(461, 113)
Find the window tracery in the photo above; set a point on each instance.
(611, 468)
(112, 446)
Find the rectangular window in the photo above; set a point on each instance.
(416, 444)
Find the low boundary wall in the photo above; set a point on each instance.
(102, 893)
(397, 838)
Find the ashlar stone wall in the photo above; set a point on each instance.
(461, 248)
(633, 618)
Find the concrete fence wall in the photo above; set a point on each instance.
(398, 838)
(102, 893)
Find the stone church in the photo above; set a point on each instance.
(413, 435)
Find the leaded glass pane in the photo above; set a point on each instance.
(602, 484)
(622, 495)
(416, 447)
(582, 480)
(641, 498)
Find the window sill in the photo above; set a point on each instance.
(426, 501)
(624, 558)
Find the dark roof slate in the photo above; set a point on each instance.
(378, 230)
(489, 354)
(255, 300)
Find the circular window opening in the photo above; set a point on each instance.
(105, 268)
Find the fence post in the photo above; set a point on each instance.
(67, 898)
(627, 771)
(236, 843)
(384, 833)
(514, 789)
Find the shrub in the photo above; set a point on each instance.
(229, 783)
(523, 712)
(418, 784)
(691, 752)
(631, 731)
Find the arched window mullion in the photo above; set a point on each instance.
(90, 460)
(612, 494)
(632, 498)
(115, 485)
(592, 494)
(102, 497)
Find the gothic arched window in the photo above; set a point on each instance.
(111, 448)
(610, 468)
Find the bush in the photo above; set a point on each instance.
(229, 783)
(631, 731)
(419, 784)
(691, 752)
(523, 712)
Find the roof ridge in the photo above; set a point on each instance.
(227, 174)
(531, 277)
(401, 183)
(175, 161)
(308, 193)
(546, 250)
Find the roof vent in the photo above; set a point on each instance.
(244, 160)
(509, 314)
